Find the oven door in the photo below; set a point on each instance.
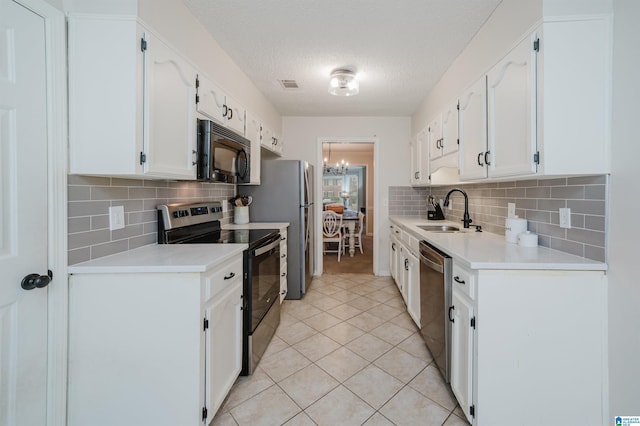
(263, 279)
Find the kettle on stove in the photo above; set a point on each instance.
(434, 211)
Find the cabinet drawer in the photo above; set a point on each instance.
(464, 280)
(220, 278)
(396, 231)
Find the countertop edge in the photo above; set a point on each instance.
(572, 263)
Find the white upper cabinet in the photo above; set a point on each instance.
(574, 96)
(449, 143)
(472, 125)
(171, 149)
(253, 134)
(435, 137)
(420, 159)
(546, 101)
(271, 141)
(106, 80)
(215, 104)
(131, 101)
(511, 112)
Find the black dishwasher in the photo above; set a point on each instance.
(435, 299)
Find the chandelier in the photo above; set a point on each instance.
(340, 168)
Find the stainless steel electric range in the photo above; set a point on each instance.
(199, 223)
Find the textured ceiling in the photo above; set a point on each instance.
(400, 48)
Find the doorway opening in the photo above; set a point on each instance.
(347, 188)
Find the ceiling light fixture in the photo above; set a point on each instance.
(343, 83)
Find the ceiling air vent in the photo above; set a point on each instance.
(289, 84)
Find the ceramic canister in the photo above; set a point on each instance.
(527, 239)
(241, 214)
(514, 226)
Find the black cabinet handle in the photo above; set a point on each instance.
(284, 274)
(230, 113)
(283, 256)
(406, 264)
(231, 275)
(416, 175)
(225, 110)
(479, 159)
(449, 315)
(458, 280)
(486, 158)
(393, 246)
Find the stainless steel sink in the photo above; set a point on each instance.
(439, 228)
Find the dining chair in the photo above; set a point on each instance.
(331, 231)
(357, 234)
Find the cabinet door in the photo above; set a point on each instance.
(253, 134)
(283, 266)
(223, 358)
(266, 137)
(472, 127)
(211, 100)
(435, 138)
(403, 272)
(393, 260)
(412, 285)
(511, 109)
(462, 352)
(171, 141)
(235, 116)
(449, 142)
(415, 162)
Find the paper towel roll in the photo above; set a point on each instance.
(512, 227)
(528, 239)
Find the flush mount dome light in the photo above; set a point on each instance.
(343, 83)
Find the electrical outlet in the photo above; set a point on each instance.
(116, 217)
(565, 218)
(511, 209)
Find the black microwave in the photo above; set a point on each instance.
(223, 155)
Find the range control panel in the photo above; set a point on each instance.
(185, 214)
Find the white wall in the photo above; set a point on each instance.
(624, 206)
(300, 135)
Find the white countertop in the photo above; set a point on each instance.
(162, 258)
(484, 250)
(257, 225)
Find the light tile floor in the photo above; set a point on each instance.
(347, 354)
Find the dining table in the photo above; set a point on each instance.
(349, 220)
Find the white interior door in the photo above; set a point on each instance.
(23, 216)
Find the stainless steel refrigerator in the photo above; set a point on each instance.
(285, 194)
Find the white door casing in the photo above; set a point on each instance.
(23, 215)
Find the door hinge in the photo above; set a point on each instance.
(472, 410)
(143, 158)
(197, 81)
(143, 44)
(536, 45)
(473, 323)
(205, 324)
(458, 141)
(204, 413)
(536, 157)
(458, 106)
(197, 98)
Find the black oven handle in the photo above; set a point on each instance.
(269, 246)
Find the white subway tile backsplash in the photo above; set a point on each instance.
(90, 198)
(536, 200)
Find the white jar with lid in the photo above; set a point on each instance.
(514, 226)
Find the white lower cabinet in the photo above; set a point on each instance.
(223, 338)
(153, 348)
(530, 333)
(405, 269)
(462, 326)
(412, 284)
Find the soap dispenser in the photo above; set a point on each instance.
(434, 211)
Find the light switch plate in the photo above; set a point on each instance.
(116, 217)
(511, 209)
(565, 218)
